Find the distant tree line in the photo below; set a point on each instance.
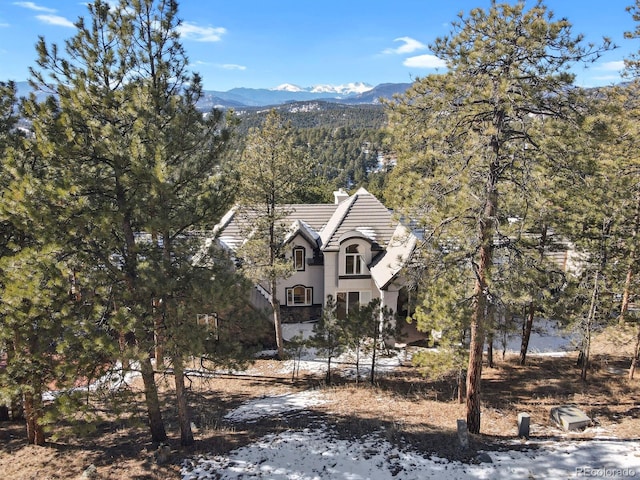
(343, 144)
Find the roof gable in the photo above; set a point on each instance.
(300, 228)
(307, 218)
(362, 213)
(385, 267)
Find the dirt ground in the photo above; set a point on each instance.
(410, 410)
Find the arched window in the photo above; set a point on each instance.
(353, 261)
(299, 295)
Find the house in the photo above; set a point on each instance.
(353, 250)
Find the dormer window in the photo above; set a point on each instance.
(353, 261)
(299, 258)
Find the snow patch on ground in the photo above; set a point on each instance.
(303, 330)
(275, 405)
(547, 339)
(112, 381)
(318, 455)
(345, 364)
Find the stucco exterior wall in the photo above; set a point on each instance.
(312, 275)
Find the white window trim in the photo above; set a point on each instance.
(358, 261)
(308, 296)
(301, 265)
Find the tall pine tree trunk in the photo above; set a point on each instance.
(32, 402)
(474, 372)
(158, 340)
(527, 326)
(586, 343)
(17, 406)
(277, 319)
(633, 261)
(636, 356)
(480, 293)
(184, 418)
(154, 414)
(476, 346)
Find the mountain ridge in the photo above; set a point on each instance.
(262, 97)
(344, 89)
(242, 97)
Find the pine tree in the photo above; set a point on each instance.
(188, 189)
(444, 313)
(632, 63)
(356, 330)
(47, 334)
(140, 170)
(596, 208)
(383, 328)
(272, 173)
(328, 335)
(468, 138)
(631, 106)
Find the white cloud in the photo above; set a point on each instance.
(191, 31)
(606, 78)
(33, 6)
(232, 66)
(612, 66)
(409, 45)
(424, 61)
(49, 17)
(223, 66)
(4, 24)
(55, 20)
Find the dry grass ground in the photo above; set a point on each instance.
(408, 409)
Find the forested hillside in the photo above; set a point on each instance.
(346, 143)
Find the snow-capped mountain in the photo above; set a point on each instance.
(352, 93)
(288, 87)
(346, 89)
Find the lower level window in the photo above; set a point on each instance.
(299, 295)
(348, 301)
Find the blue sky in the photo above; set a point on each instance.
(266, 43)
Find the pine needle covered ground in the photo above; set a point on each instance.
(410, 410)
